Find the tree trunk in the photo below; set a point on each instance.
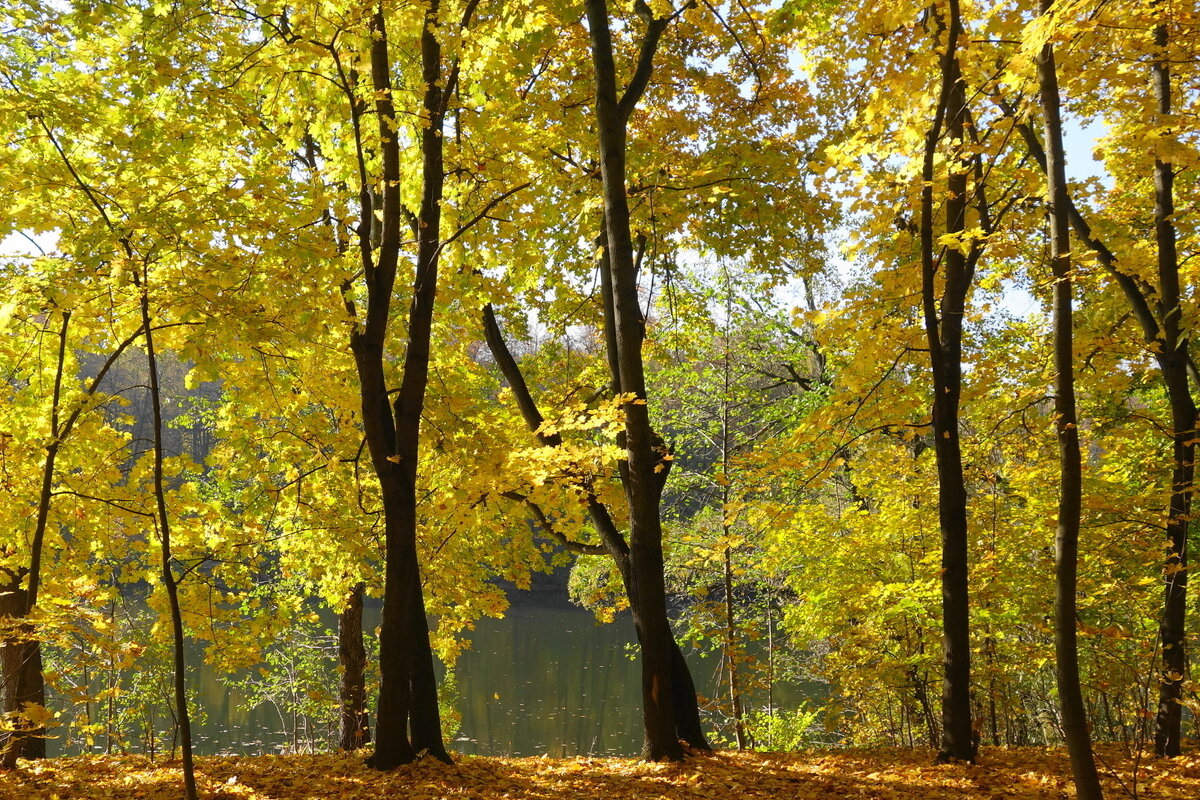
(735, 694)
(408, 690)
(1156, 310)
(1074, 713)
(1172, 358)
(352, 656)
(162, 521)
(21, 659)
(21, 665)
(646, 465)
(944, 333)
(687, 710)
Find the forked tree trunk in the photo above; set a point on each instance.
(408, 723)
(687, 710)
(20, 646)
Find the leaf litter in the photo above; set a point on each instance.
(883, 774)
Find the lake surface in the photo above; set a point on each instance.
(544, 680)
(550, 681)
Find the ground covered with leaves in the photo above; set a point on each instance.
(1028, 774)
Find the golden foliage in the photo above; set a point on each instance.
(892, 774)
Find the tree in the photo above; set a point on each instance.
(1066, 551)
(1152, 283)
(648, 458)
(686, 714)
(943, 327)
(162, 523)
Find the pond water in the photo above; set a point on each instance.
(549, 681)
(544, 680)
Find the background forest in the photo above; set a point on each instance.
(750, 314)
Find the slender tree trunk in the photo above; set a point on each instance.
(20, 648)
(944, 332)
(735, 694)
(1156, 309)
(163, 524)
(1074, 712)
(1173, 361)
(352, 656)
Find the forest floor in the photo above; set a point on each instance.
(1023, 774)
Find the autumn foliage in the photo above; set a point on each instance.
(741, 311)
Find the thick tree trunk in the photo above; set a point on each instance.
(392, 746)
(352, 657)
(944, 332)
(379, 246)
(425, 720)
(1074, 713)
(646, 465)
(1172, 359)
(21, 667)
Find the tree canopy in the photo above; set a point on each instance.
(806, 322)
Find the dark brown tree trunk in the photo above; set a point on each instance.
(646, 466)
(944, 332)
(1156, 309)
(408, 723)
(27, 683)
(163, 523)
(352, 657)
(21, 665)
(21, 659)
(1074, 713)
(367, 342)
(1173, 363)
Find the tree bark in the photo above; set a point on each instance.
(352, 656)
(21, 649)
(944, 334)
(1156, 309)
(21, 665)
(1070, 693)
(735, 694)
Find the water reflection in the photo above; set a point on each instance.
(544, 680)
(549, 681)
